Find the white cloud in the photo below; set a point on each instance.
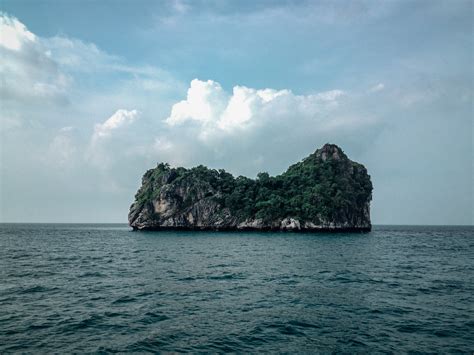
(13, 33)
(329, 96)
(245, 105)
(218, 113)
(121, 118)
(204, 102)
(49, 79)
(30, 77)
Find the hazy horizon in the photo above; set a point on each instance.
(94, 94)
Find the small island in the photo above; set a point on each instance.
(324, 192)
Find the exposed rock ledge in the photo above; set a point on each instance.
(324, 192)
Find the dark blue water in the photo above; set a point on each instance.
(101, 288)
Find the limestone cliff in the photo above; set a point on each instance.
(324, 192)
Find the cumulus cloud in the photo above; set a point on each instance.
(121, 118)
(13, 33)
(204, 101)
(219, 113)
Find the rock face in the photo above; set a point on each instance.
(324, 192)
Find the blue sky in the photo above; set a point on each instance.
(94, 93)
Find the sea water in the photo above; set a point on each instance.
(103, 288)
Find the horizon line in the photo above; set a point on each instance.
(373, 225)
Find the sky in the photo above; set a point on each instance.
(94, 93)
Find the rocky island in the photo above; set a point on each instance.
(324, 192)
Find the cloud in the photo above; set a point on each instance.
(46, 80)
(219, 113)
(13, 34)
(29, 75)
(110, 138)
(121, 118)
(76, 55)
(204, 101)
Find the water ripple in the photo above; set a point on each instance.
(103, 289)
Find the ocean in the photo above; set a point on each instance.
(103, 288)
